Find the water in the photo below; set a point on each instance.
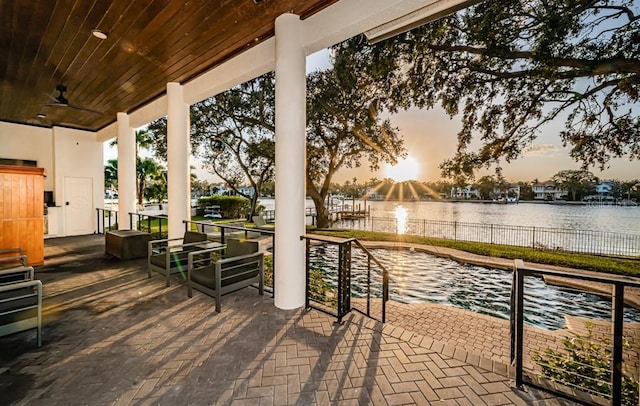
(418, 277)
(616, 219)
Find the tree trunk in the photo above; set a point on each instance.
(322, 213)
(254, 203)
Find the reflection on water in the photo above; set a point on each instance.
(401, 218)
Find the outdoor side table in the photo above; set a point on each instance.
(127, 244)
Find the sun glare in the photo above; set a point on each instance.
(404, 170)
(401, 219)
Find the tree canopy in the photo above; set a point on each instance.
(235, 131)
(508, 68)
(344, 128)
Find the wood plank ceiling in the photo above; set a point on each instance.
(46, 43)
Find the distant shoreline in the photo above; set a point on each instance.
(557, 202)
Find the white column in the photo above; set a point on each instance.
(290, 162)
(178, 181)
(126, 171)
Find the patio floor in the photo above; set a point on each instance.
(113, 336)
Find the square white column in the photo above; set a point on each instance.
(178, 153)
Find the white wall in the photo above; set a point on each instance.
(61, 152)
(78, 154)
(31, 143)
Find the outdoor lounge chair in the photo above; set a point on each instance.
(168, 259)
(242, 265)
(17, 274)
(21, 308)
(12, 257)
(214, 232)
(261, 224)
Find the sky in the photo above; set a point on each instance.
(430, 138)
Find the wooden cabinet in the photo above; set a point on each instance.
(22, 210)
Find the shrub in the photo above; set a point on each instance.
(586, 363)
(231, 206)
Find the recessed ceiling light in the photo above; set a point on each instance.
(41, 115)
(98, 34)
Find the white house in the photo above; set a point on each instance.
(467, 192)
(547, 191)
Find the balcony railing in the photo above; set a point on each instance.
(107, 220)
(590, 369)
(342, 275)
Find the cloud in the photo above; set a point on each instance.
(542, 150)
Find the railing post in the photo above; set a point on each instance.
(533, 238)
(110, 220)
(344, 280)
(519, 325)
(512, 313)
(617, 302)
(385, 293)
(273, 266)
(98, 218)
(340, 273)
(492, 233)
(306, 274)
(131, 221)
(455, 230)
(368, 286)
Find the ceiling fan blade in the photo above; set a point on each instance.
(84, 109)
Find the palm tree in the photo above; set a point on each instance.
(147, 170)
(143, 140)
(111, 174)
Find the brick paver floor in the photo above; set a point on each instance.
(114, 337)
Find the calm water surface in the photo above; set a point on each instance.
(598, 218)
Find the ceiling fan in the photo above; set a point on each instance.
(61, 101)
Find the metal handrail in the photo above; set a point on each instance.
(100, 214)
(517, 324)
(149, 218)
(344, 276)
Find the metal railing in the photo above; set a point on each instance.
(339, 290)
(150, 224)
(107, 220)
(542, 238)
(580, 380)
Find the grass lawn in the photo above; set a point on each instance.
(620, 266)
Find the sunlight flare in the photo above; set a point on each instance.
(401, 219)
(406, 169)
